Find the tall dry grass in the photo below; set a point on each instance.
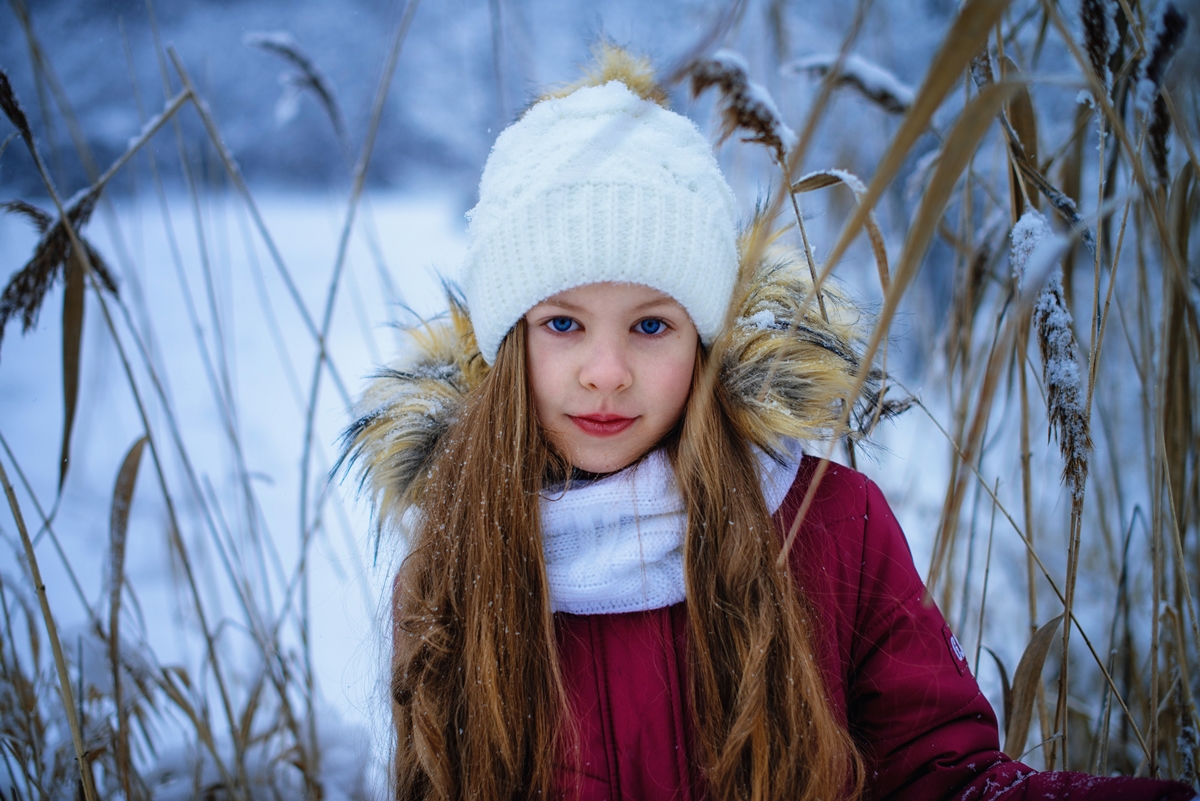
(1066, 400)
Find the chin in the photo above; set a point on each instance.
(608, 461)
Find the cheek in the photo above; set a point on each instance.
(673, 382)
(541, 368)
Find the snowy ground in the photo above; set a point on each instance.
(419, 237)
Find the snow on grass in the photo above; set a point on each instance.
(871, 80)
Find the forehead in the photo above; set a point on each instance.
(611, 296)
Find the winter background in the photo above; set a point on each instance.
(285, 561)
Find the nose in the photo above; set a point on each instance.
(606, 367)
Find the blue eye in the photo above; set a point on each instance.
(651, 326)
(561, 324)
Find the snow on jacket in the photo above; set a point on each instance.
(893, 668)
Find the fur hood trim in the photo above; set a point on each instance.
(785, 368)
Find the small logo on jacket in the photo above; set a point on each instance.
(956, 649)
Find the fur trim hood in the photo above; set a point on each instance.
(786, 369)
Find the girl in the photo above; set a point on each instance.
(595, 459)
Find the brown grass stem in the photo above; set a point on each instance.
(1175, 532)
(808, 254)
(239, 182)
(795, 157)
(987, 572)
(132, 382)
(359, 178)
(1041, 566)
(1174, 259)
(48, 528)
(60, 662)
(1022, 354)
(960, 144)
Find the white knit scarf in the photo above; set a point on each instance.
(616, 544)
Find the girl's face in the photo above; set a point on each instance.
(610, 366)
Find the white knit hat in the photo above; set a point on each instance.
(599, 185)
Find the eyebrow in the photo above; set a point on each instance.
(572, 307)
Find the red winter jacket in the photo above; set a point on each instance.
(894, 670)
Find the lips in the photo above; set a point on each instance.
(602, 425)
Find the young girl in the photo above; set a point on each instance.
(595, 460)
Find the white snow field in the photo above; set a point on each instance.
(421, 239)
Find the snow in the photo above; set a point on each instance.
(875, 82)
(1065, 389)
(417, 235)
(762, 320)
(1027, 235)
(748, 98)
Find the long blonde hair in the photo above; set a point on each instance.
(478, 697)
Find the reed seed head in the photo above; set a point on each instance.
(1064, 384)
(744, 105)
(27, 289)
(1030, 230)
(1096, 16)
(1167, 39)
(309, 77)
(1157, 131)
(12, 109)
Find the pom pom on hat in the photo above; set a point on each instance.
(599, 185)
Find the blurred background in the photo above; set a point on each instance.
(265, 261)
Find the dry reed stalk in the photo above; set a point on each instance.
(961, 43)
(118, 525)
(48, 528)
(60, 662)
(308, 78)
(239, 182)
(1109, 681)
(1188, 738)
(1100, 766)
(359, 178)
(960, 144)
(747, 107)
(1155, 614)
(174, 528)
(1022, 354)
(1178, 404)
(987, 572)
(1174, 259)
(796, 156)
(823, 178)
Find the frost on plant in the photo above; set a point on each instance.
(1168, 36)
(1030, 231)
(871, 80)
(1063, 381)
(744, 105)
